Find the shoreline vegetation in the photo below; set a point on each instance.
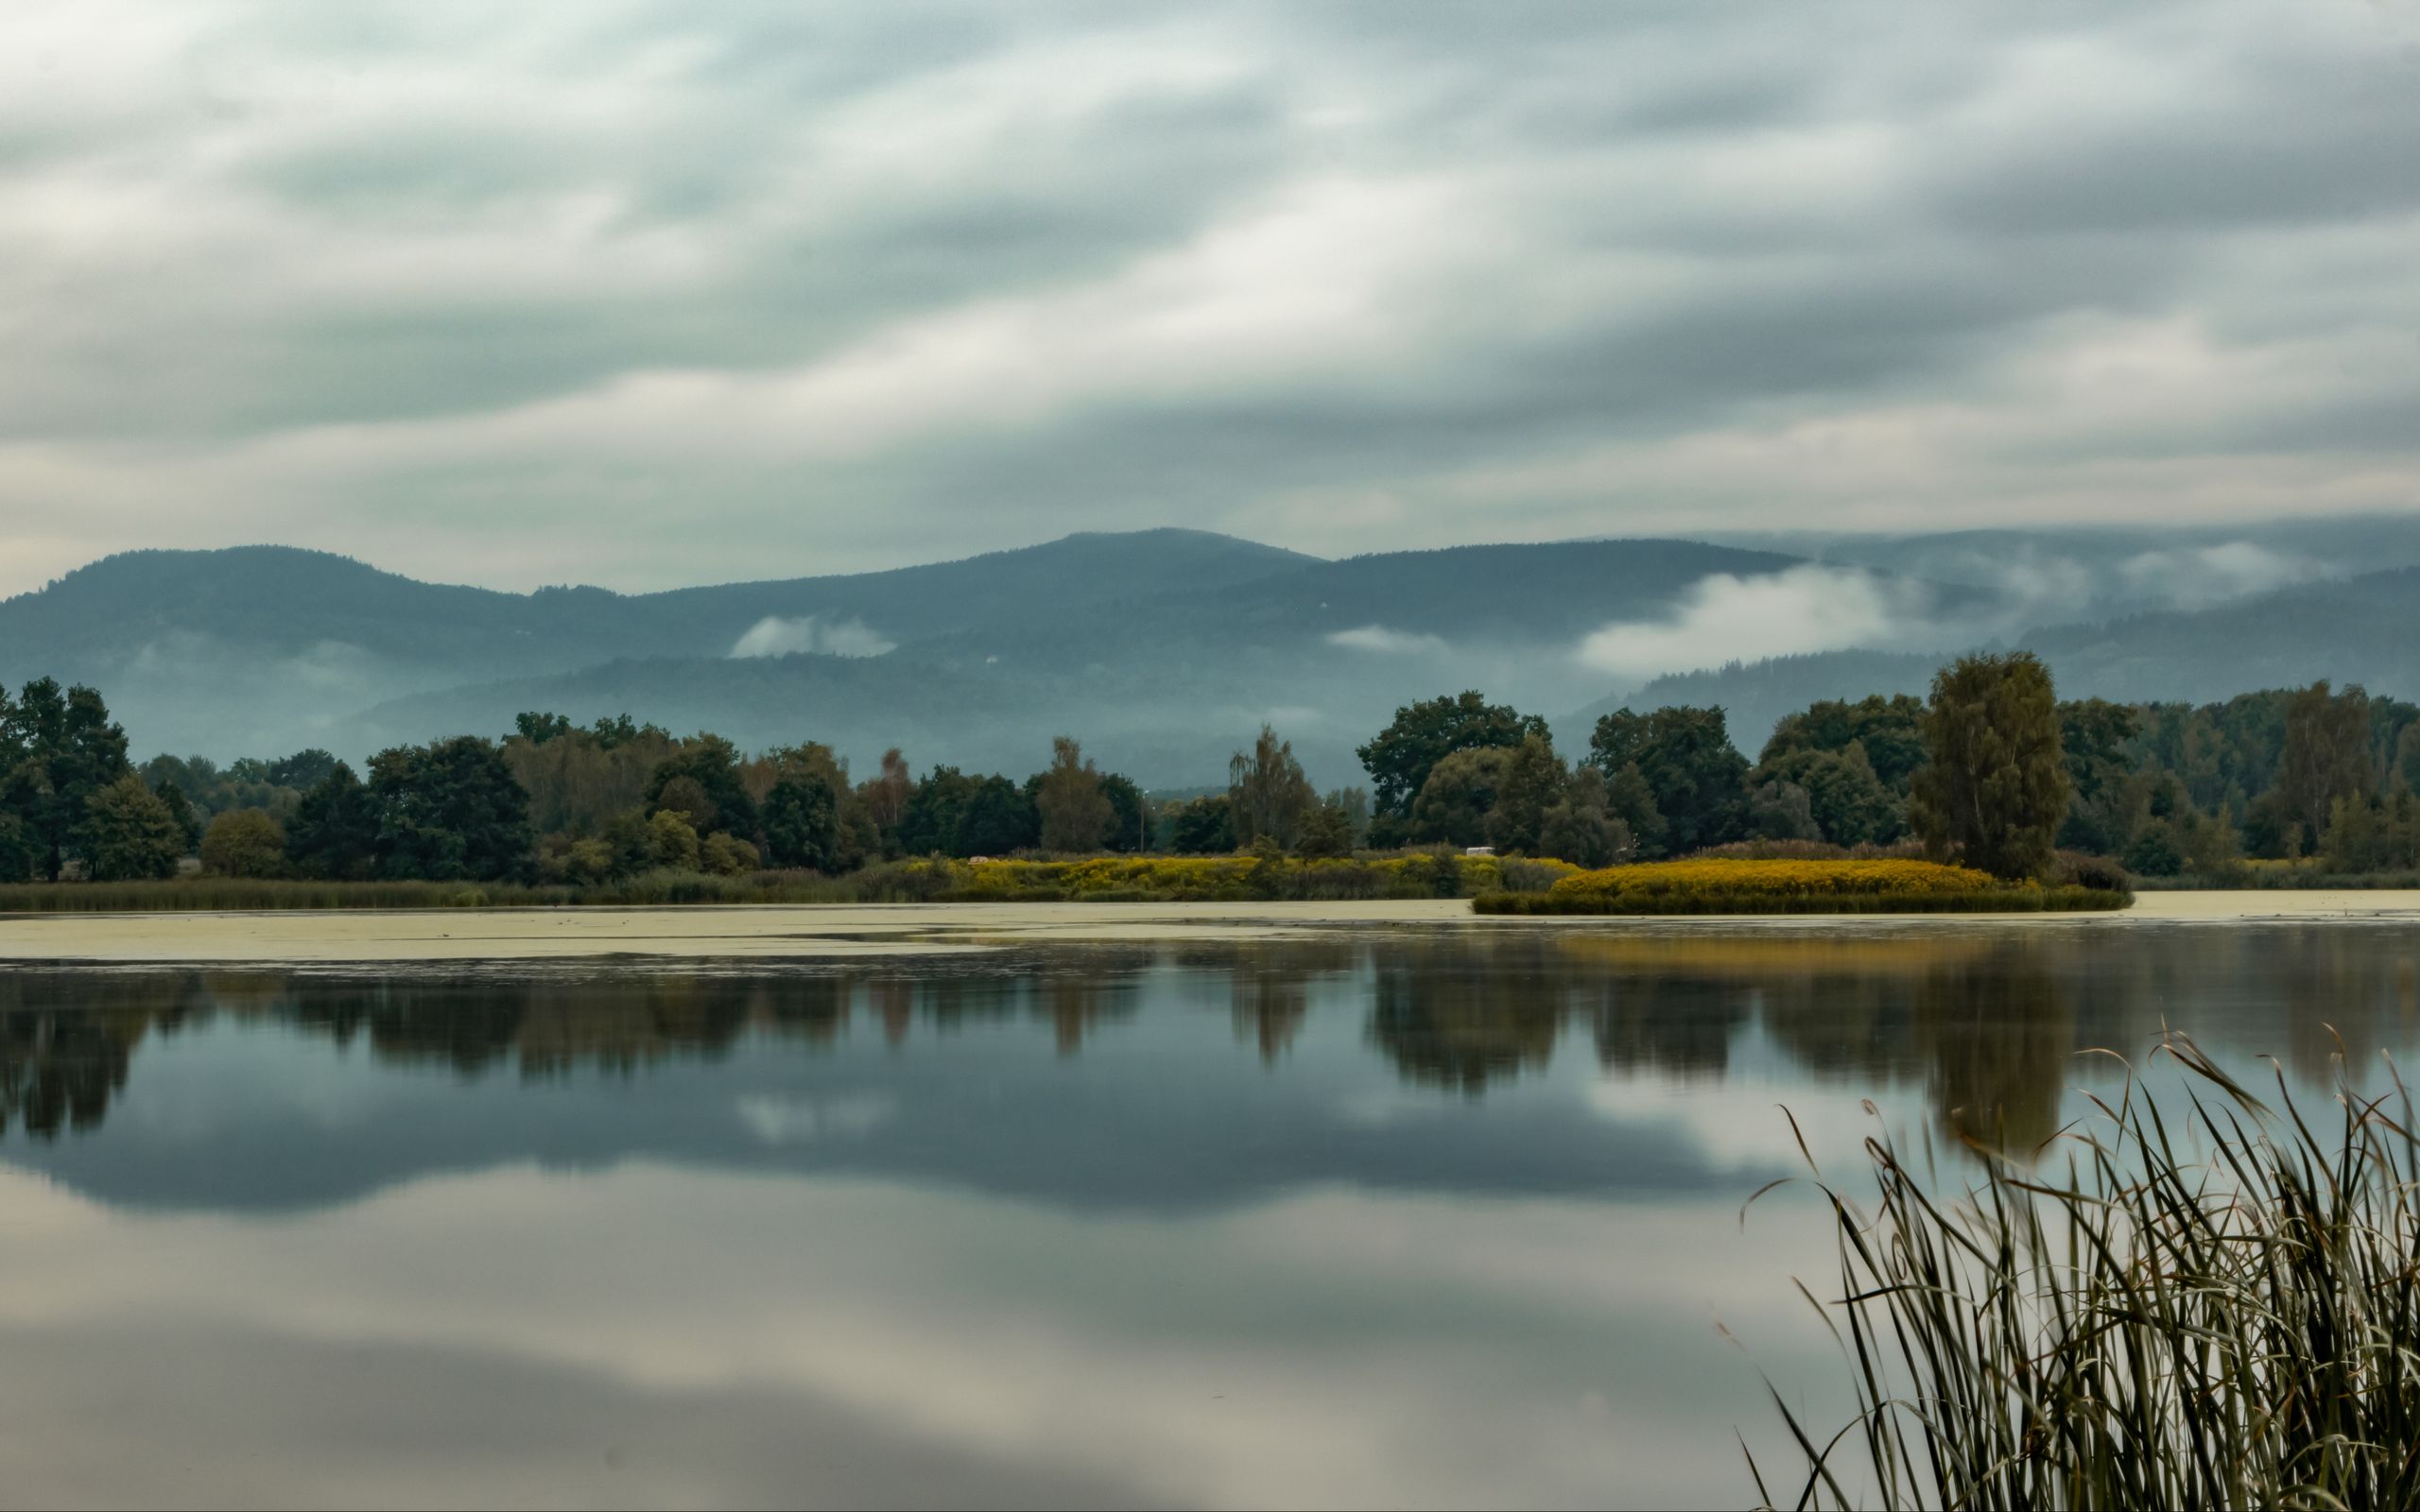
(2057, 806)
(2207, 1308)
(1743, 886)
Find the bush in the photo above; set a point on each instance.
(2073, 868)
(1723, 884)
(243, 843)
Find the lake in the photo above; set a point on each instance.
(1404, 1216)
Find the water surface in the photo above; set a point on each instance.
(1413, 1218)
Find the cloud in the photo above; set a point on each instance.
(2198, 577)
(776, 636)
(1725, 618)
(1385, 641)
(429, 284)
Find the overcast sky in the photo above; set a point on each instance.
(655, 294)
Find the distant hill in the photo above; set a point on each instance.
(2353, 630)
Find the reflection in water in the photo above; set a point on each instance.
(1355, 1220)
(1988, 1024)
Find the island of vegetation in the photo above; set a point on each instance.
(1881, 803)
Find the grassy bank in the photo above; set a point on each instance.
(2214, 1307)
(1734, 886)
(1099, 879)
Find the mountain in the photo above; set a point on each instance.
(1162, 685)
(2353, 630)
(268, 648)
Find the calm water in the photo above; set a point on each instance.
(1381, 1219)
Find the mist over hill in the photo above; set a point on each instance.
(1165, 649)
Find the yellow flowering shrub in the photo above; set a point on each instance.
(1724, 877)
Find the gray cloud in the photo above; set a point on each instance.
(647, 294)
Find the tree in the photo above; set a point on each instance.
(2326, 760)
(128, 834)
(1581, 828)
(1130, 816)
(1631, 803)
(1266, 793)
(538, 729)
(181, 809)
(1076, 815)
(243, 843)
(671, 841)
(725, 855)
(802, 825)
(1892, 730)
(1781, 811)
(2106, 806)
(885, 798)
(929, 820)
(1996, 788)
(1849, 801)
(302, 771)
(713, 764)
(1534, 782)
(1205, 825)
(449, 811)
(1453, 805)
(1328, 831)
(1697, 780)
(61, 748)
(334, 832)
(1423, 734)
(2154, 851)
(17, 851)
(998, 819)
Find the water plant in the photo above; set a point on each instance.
(2216, 1306)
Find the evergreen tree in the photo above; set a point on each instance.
(335, 832)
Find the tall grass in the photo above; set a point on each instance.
(2217, 1308)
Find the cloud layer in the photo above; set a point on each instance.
(649, 294)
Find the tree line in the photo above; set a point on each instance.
(1992, 769)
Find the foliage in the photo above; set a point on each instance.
(335, 832)
(1727, 877)
(1268, 795)
(449, 811)
(1683, 756)
(802, 825)
(1075, 813)
(718, 799)
(1996, 787)
(1205, 825)
(1888, 730)
(2215, 1310)
(59, 749)
(673, 841)
(243, 843)
(1453, 805)
(1401, 757)
(128, 834)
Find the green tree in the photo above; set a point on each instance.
(181, 809)
(128, 834)
(1696, 778)
(999, 819)
(1461, 789)
(538, 729)
(1268, 795)
(61, 748)
(1631, 803)
(1328, 831)
(2107, 803)
(1996, 788)
(1781, 811)
(1891, 730)
(1534, 782)
(802, 825)
(671, 841)
(712, 762)
(929, 820)
(1130, 816)
(449, 811)
(243, 843)
(335, 832)
(722, 854)
(1848, 801)
(17, 851)
(1423, 734)
(1076, 815)
(2326, 759)
(1205, 825)
(1581, 828)
(302, 771)
(2154, 851)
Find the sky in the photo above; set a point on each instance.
(653, 294)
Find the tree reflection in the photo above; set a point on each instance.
(1985, 1023)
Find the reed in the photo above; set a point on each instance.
(2217, 1305)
